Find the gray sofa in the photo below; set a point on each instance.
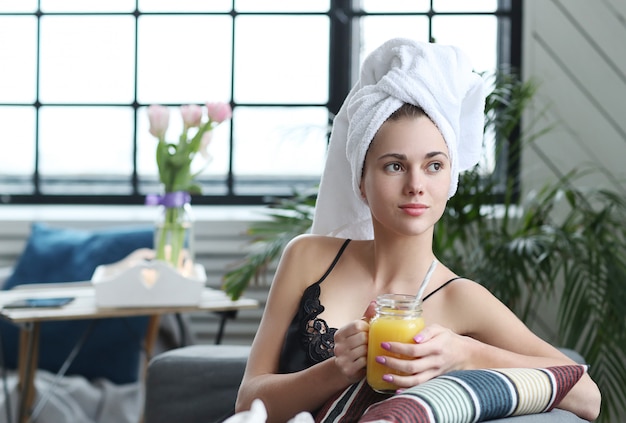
(199, 383)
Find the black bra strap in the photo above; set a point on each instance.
(442, 286)
(332, 265)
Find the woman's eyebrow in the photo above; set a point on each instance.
(398, 156)
(436, 153)
(401, 156)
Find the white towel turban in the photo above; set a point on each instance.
(439, 79)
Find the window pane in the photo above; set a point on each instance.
(280, 141)
(17, 141)
(17, 72)
(87, 6)
(90, 75)
(86, 141)
(184, 6)
(375, 30)
(273, 67)
(184, 59)
(18, 6)
(84, 61)
(400, 6)
(465, 6)
(282, 6)
(219, 152)
(473, 34)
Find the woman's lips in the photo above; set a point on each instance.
(414, 209)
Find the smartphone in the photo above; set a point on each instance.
(40, 302)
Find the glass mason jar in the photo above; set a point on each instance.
(398, 319)
(174, 232)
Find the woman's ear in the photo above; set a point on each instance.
(362, 192)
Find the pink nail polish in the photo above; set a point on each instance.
(380, 359)
(388, 378)
(385, 346)
(418, 339)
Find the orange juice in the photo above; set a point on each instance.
(393, 323)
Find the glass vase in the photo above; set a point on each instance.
(174, 237)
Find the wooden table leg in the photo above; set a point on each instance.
(152, 334)
(28, 360)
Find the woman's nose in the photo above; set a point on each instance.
(414, 185)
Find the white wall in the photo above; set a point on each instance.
(576, 50)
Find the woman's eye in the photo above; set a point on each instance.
(434, 167)
(393, 167)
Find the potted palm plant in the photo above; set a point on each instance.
(560, 242)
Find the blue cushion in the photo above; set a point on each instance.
(112, 350)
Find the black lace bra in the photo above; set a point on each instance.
(309, 340)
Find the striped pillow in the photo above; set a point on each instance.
(459, 396)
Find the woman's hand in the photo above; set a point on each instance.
(437, 350)
(351, 346)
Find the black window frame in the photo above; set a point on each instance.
(343, 65)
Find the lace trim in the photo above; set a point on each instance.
(317, 337)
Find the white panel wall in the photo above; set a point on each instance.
(576, 50)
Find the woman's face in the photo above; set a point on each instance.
(406, 176)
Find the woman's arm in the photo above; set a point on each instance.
(503, 340)
(583, 399)
(492, 337)
(285, 395)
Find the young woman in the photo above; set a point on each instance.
(380, 201)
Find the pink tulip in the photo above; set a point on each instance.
(192, 115)
(159, 117)
(219, 112)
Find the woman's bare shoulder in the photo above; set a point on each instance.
(477, 312)
(467, 294)
(307, 247)
(462, 303)
(450, 287)
(308, 257)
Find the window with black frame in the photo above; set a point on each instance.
(76, 78)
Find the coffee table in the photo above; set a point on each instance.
(84, 307)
